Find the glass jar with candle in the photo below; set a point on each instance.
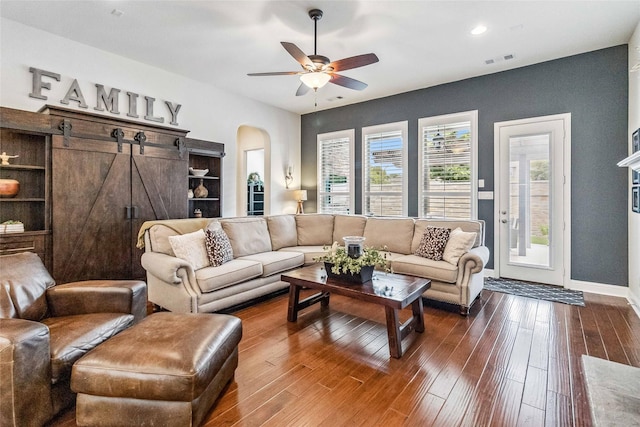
(354, 245)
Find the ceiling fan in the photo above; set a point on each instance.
(318, 70)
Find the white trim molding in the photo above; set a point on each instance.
(599, 288)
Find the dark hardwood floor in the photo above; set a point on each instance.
(513, 361)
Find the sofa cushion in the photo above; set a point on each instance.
(414, 265)
(277, 262)
(459, 243)
(282, 229)
(394, 233)
(191, 247)
(433, 242)
(348, 225)
(159, 239)
(24, 282)
(476, 226)
(158, 233)
(236, 271)
(219, 248)
(309, 252)
(74, 336)
(314, 230)
(248, 236)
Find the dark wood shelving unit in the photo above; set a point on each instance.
(27, 136)
(206, 155)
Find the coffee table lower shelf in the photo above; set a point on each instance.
(406, 291)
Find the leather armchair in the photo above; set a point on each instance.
(45, 328)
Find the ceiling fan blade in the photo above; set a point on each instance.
(276, 73)
(297, 54)
(302, 90)
(347, 82)
(354, 62)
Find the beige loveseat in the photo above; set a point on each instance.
(265, 247)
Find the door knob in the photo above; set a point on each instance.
(504, 221)
(503, 212)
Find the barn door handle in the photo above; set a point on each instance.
(131, 212)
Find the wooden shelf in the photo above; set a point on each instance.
(23, 167)
(203, 177)
(18, 200)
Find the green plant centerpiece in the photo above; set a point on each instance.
(347, 263)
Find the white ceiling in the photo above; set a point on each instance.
(419, 43)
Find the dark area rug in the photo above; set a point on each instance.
(534, 290)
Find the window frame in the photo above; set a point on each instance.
(350, 135)
(472, 117)
(403, 127)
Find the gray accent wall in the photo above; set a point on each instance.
(593, 87)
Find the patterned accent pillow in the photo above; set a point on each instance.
(433, 242)
(219, 248)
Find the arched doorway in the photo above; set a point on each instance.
(254, 147)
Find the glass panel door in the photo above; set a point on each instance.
(530, 185)
(529, 200)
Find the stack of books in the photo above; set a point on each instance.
(16, 227)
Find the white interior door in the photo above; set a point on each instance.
(531, 186)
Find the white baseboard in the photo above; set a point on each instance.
(488, 272)
(599, 288)
(634, 300)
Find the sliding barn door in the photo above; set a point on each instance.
(158, 190)
(91, 202)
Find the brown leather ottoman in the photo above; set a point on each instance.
(167, 370)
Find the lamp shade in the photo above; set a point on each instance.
(315, 80)
(300, 195)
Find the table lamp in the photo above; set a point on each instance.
(301, 196)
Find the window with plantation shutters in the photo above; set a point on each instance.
(384, 168)
(335, 172)
(447, 166)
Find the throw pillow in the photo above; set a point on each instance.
(219, 248)
(433, 243)
(459, 243)
(191, 248)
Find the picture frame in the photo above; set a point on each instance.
(635, 197)
(635, 148)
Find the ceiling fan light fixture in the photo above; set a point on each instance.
(315, 80)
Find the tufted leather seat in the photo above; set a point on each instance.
(45, 329)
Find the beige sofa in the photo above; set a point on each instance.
(265, 247)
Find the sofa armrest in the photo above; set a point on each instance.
(25, 369)
(166, 267)
(99, 296)
(475, 259)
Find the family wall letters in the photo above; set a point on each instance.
(104, 102)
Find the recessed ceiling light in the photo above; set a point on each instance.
(480, 29)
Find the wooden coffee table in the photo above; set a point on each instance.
(401, 291)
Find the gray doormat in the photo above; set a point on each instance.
(534, 290)
(614, 392)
